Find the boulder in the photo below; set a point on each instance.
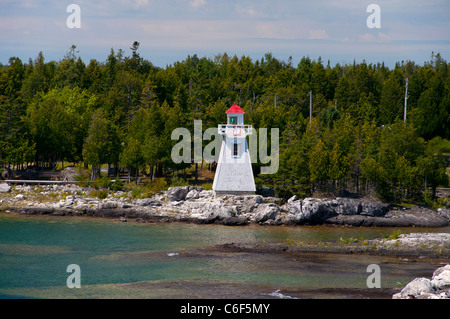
(20, 197)
(373, 208)
(441, 278)
(265, 212)
(417, 287)
(315, 211)
(207, 212)
(193, 194)
(4, 188)
(177, 193)
(444, 212)
(422, 288)
(180, 193)
(294, 206)
(235, 221)
(346, 206)
(251, 203)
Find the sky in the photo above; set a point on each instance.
(170, 30)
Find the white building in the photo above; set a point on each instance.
(234, 174)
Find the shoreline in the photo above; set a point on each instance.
(197, 205)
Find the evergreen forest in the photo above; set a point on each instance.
(121, 112)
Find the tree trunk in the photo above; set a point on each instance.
(196, 172)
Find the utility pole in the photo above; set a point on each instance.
(310, 107)
(406, 100)
(275, 101)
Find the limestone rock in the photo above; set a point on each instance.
(148, 202)
(180, 193)
(20, 197)
(265, 212)
(193, 194)
(423, 288)
(4, 188)
(373, 208)
(417, 287)
(441, 278)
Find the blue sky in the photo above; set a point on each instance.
(169, 30)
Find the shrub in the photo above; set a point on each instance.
(82, 180)
(100, 194)
(117, 185)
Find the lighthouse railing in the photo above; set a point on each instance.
(231, 129)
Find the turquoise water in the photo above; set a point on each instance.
(132, 260)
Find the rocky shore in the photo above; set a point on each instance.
(197, 205)
(438, 287)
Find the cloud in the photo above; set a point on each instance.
(197, 3)
(318, 35)
(247, 26)
(140, 3)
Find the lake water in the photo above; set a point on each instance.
(176, 260)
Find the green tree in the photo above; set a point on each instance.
(102, 144)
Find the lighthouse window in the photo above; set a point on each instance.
(235, 149)
(233, 120)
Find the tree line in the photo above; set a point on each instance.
(122, 112)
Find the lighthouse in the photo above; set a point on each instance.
(234, 174)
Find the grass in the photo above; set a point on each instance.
(395, 235)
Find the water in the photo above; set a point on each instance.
(131, 260)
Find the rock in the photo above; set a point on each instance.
(421, 239)
(265, 212)
(315, 211)
(177, 193)
(417, 287)
(294, 206)
(373, 208)
(20, 197)
(180, 193)
(235, 221)
(148, 202)
(346, 206)
(68, 174)
(250, 204)
(444, 212)
(423, 288)
(108, 205)
(193, 194)
(208, 212)
(441, 278)
(206, 194)
(4, 188)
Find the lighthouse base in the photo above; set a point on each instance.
(236, 193)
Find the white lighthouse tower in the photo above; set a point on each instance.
(234, 174)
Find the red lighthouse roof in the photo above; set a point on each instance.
(235, 109)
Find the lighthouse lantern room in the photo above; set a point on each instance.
(234, 174)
